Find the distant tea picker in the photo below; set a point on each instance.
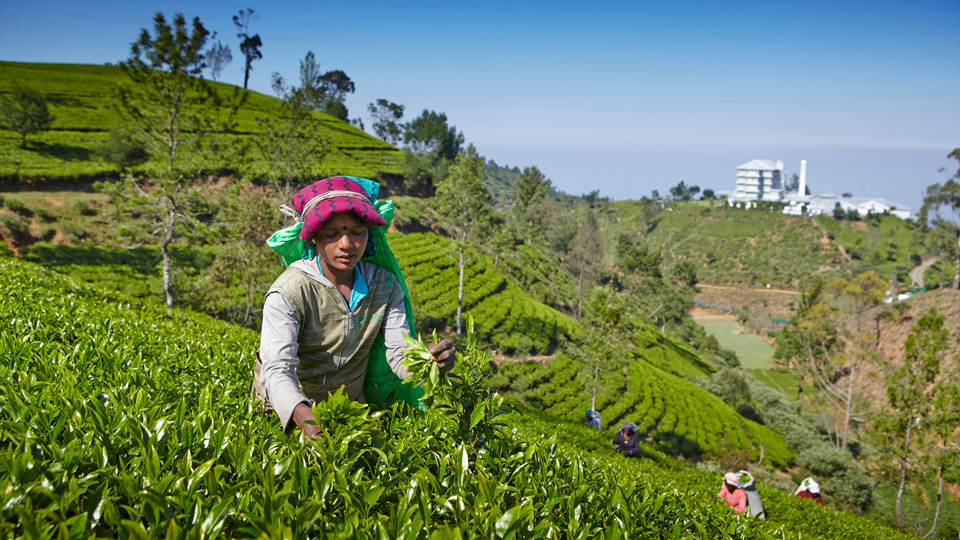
(337, 315)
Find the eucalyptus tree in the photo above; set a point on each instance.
(910, 388)
(292, 144)
(464, 205)
(386, 116)
(175, 113)
(532, 190)
(249, 43)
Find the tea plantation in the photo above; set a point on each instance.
(677, 415)
(120, 419)
(506, 315)
(81, 98)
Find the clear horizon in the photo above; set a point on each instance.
(625, 98)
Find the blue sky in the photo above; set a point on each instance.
(625, 97)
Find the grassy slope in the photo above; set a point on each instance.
(761, 247)
(162, 438)
(81, 97)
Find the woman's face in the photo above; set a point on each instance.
(341, 241)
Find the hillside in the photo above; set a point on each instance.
(757, 247)
(81, 98)
(163, 438)
(507, 315)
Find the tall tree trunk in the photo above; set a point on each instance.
(800, 389)
(936, 514)
(903, 471)
(460, 291)
(849, 407)
(580, 295)
(246, 313)
(165, 251)
(596, 381)
(496, 262)
(956, 270)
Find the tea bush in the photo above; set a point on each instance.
(505, 314)
(121, 419)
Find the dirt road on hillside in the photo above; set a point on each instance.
(916, 275)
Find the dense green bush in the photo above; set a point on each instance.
(17, 206)
(163, 441)
(840, 475)
(14, 225)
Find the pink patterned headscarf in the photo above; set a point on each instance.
(323, 198)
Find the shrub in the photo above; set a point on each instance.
(46, 217)
(18, 206)
(85, 209)
(729, 357)
(14, 225)
(524, 345)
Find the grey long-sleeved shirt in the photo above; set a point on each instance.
(279, 343)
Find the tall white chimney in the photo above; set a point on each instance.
(803, 178)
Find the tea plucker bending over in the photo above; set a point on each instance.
(321, 316)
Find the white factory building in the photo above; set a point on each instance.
(759, 180)
(763, 180)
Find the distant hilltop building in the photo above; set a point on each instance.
(762, 180)
(759, 180)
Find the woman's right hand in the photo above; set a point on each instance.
(305, 421)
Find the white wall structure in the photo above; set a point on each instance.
(759, 180)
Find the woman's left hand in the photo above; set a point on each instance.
(444, 354)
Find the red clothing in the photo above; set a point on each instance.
(736, 498)
(812, 496)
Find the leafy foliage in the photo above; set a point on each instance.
(25, 112)
(162, 441)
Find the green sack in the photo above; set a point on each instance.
(381, 385)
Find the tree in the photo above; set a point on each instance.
(864, 291)
(683, 192)
(385, 115)
(174, 112)
(945, 195)
(532, 189)
(244, 218)
(584, 255)
(463, 202)
(249, 44)
(708, 195)
(336, 85)
(945, 240)
(909, 390)
(811, 336)
(122, 147)
(605, 344)
(25, 112)
(944, 424)
(431, 147)
(324, 92)
(430, 134)
(217, 58)
(292, 143)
